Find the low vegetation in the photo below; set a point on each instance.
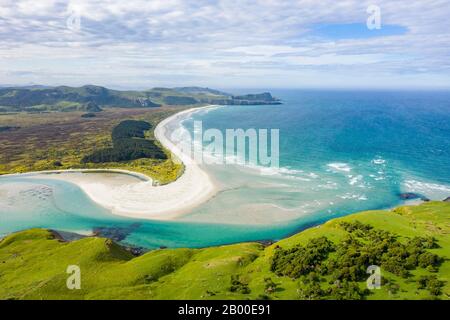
(56, 141)
(345, 263)
(410, 244)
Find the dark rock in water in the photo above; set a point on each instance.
(266, 243)
(135, 251)
(409, 196)
(412, 196)
(447, 200)
(115, 233)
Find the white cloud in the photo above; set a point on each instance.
(229, 42)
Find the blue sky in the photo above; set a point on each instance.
(225, 44)
(355, 31)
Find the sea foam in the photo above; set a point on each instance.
(340, 167)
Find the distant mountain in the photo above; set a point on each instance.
(266, 96)
(177, 100)
(259, 98)
(200, 90)
(27, 86)
(223, 98)
(31, 86)
(65, 98)
(91, 98)
(249, 99)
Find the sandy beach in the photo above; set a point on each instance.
(134, 195)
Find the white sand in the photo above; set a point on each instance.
(129, 196)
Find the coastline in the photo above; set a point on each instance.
(135, 196)
(137, 175)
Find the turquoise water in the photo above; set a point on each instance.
(48, 203)
(340, 152)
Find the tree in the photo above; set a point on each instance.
(238, 286)
(270, 286)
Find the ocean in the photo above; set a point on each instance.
(339, 152)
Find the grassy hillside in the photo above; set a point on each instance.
(33, 264)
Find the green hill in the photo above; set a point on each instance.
(91, 98)
(416, 238)
(65, 98)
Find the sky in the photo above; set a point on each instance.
(138, 44)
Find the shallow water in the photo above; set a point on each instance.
(340, 152)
